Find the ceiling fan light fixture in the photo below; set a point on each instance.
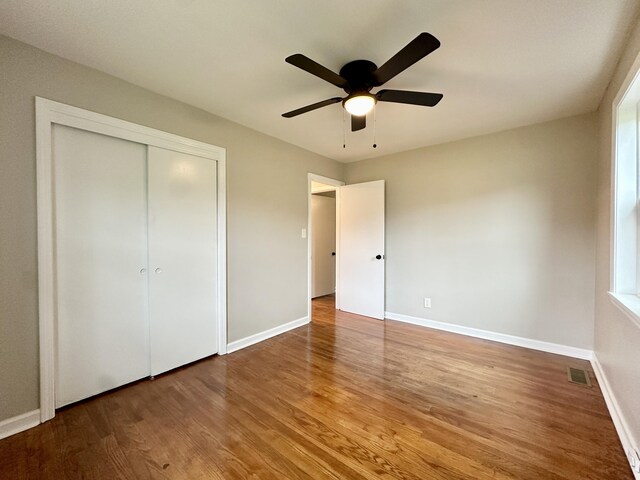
(359, 104)
(358, 77)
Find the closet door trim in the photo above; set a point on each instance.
(48, 113)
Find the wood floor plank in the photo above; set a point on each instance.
(368, 398)
(345, 397)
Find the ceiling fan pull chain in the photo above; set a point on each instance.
(375, 145)
(344, 129)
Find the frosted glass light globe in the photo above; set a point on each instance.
(359, 105)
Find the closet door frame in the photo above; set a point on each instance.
(49, 113)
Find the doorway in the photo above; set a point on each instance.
(323, 241)
(356, 261)
(322, 236)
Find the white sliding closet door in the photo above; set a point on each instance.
(101, 254)
(182, 258)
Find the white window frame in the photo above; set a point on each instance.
(625, 188)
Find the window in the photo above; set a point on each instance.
(625, 266)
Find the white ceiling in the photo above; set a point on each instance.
(502, 63)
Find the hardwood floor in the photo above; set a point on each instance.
(345, 397)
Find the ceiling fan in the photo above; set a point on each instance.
(357, 78)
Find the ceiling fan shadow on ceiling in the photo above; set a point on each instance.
(359, 77)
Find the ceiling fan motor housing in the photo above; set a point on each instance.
(359, 76)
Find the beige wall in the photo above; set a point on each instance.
(617, 339)
(497, 230)
(264, 223)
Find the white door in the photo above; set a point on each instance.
(361, 249)
(323, 245)
(101, 254)
(182, 258)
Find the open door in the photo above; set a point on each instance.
(361, 249)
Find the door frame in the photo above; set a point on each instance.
(312, 177)
(49, 113)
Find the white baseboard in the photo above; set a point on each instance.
(17, 424)
(628, 442)
(259, 337)
(574, 352)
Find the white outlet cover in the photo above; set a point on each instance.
(304, 233)
(427, 302)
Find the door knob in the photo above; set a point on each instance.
(143, 271)
(378, 257)
(158, 270)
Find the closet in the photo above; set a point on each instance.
(135, 233)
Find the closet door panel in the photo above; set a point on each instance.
(101, 247)
(182, 258)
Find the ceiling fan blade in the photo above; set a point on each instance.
(313, 106)
(412, 98)
(358, 123)
(314, 68)
(418, 48)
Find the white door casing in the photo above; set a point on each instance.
(312, 177)
(361, 287)
(49, 115)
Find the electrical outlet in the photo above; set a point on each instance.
(427, 302)
(303, 234)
